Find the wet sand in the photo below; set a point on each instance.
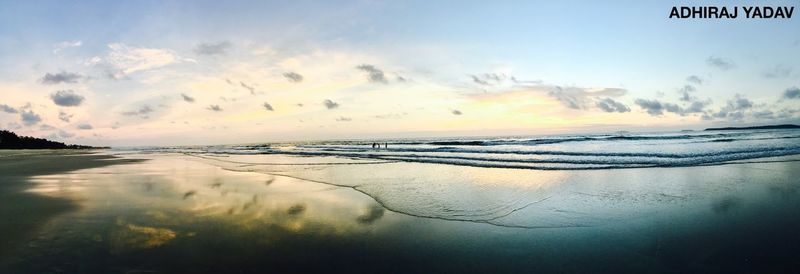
(174, 213)
(23, 212)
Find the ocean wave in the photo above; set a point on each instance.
(585, 151)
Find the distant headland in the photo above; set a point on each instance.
(784, 126)
(10, 140)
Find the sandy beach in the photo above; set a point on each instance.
(77, 212)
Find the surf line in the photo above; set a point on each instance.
(490, 221)
(714, 12)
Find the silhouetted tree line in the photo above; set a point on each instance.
(10, 140)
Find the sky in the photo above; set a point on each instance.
(219, 72)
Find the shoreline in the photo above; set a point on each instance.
(170, 212)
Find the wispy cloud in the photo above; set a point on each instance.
(248, 87)
(391, 115)
(488, 79)
(456, 112)
(293, 77)
(215, 108)
(582, 98)
(330, 104)
(374, 75)
(144, 110)
(125, 60)
(63, 116)
(213, 48)
(499, 79)
(344, 119)
(66, 98)
(13, 126)
(187, 98)
(609, 105)
(779, 71)
(85, 126)
(46, 127)
(60, 77)
(694, 79)
(60, 134)
(58, 47)
(657, 108)
(720, 63)
(267, 106)
(7, 109)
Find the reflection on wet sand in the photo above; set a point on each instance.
(177, 214)
(23, 210)
(373, 213)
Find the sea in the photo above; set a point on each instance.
(554, 152)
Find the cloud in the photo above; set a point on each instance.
(374, 75)
(653, 107)
(786, 113)
(766, 114)
(63, 116)
(330, 104)
(391, 115)
(143, 110)
(739, 102)
(60, 77)
(720, 63)
(29, 118)
(125, 60)
(694, 79)
(489, 79)
(657, 108)
(293, 77)
(735, 108)
(212, 48)
(684, 91)
(267, 106)
(66, 98)
(187, 98)
(609, 105)
(66, 44)
(13, 126)
(792, 93)
(250, 88)
(456, 112)
(84, 126)
(214, 108)
(582, 98)
(60, 135)
(696, 107)
(7, 109)
(46, 127)
(478, 80)
(779, 71)
(344, 119)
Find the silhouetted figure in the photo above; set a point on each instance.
(373, 145)
(385, 145)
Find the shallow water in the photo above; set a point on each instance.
(212, 213)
